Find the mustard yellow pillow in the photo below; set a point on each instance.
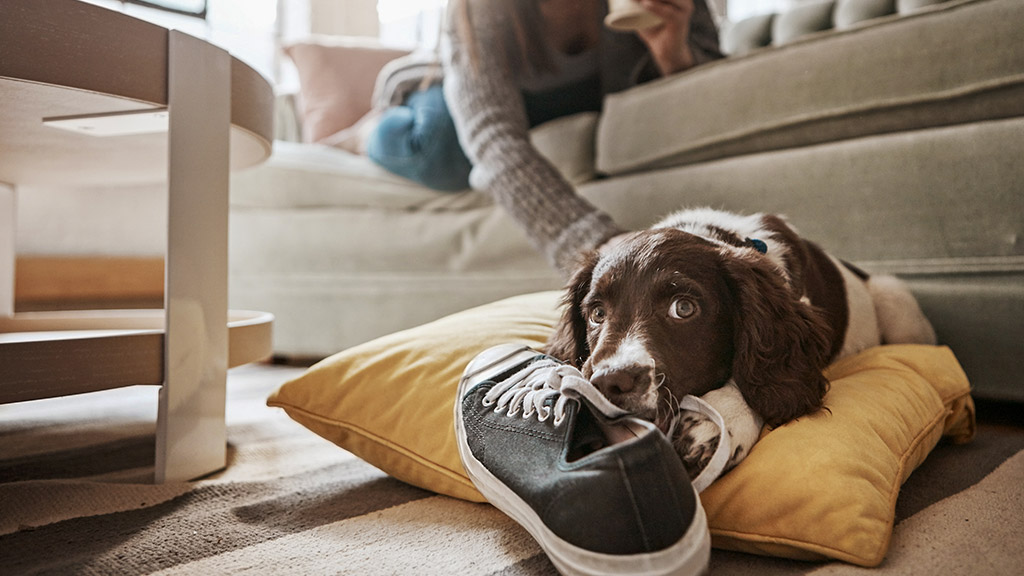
(824, 486)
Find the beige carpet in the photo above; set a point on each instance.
(74, 499)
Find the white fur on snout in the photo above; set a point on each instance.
(631, 351)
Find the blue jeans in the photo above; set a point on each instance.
(417, 140)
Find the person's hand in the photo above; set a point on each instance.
(668, 42)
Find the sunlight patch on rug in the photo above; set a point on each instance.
(436, 535)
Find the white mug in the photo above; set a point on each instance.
(627, 15)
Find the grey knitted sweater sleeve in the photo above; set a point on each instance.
(490, 118)
(487, 106)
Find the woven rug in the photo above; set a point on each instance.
(75, 498)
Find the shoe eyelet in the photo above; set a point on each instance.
(488, 403)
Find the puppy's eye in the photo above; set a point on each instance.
(597, 315)
(682, 308)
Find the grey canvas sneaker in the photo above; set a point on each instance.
(601, 491)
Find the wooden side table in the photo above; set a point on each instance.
(177, 108)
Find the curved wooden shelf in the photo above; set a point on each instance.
(58, 59)
(46, 354)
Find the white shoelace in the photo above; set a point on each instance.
(528, 390)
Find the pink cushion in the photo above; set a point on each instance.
(336, 78)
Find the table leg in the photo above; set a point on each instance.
(191, 434)
(7, 253)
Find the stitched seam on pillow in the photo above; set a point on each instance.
(953, 398)
(451, 474)
(802, 545)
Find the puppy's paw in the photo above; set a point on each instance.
(695, 439)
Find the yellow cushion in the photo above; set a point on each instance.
(824, 486)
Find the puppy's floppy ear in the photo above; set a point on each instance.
(782, 344)
(569, 340)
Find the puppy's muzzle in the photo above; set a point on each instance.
(622, 382)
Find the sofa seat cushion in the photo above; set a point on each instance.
(340, 256)
(875, 77)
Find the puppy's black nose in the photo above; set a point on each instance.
(622, 381)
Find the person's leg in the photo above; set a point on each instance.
(418, 141)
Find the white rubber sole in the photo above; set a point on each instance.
(689, 556)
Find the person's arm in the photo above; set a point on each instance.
(490, 118)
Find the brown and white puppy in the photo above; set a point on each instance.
(737, 309)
